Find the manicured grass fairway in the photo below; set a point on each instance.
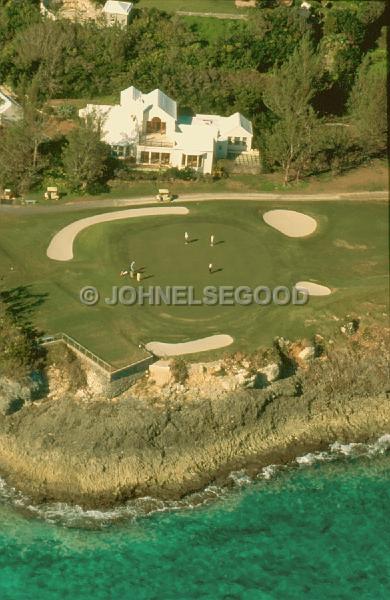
(251, 253)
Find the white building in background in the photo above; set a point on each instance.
(10, 110)
(117, 12)
(147, 127)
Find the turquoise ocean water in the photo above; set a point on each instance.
(319, 529)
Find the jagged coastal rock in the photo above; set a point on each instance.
(171, 436)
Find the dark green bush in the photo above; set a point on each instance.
(179, 370)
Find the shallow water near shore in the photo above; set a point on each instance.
(317, 529)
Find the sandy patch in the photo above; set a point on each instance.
(61, 246)
(213, 342)
(314, 289)
(290, 222)
(348, 246)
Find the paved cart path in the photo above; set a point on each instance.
(210, 197)
(231, 16)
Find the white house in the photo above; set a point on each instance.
(147, 127)
(10, 110)
(117, 12)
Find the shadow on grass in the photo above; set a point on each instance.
(21, 301)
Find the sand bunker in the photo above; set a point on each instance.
(314, 289)
(291, 223)
(213, 342)
(61, 246)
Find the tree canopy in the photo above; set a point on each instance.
(220, 69)
(86, 159)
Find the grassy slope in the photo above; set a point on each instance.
(211, 29)
(252, 254)
(372, 177)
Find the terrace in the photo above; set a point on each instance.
(155, 140)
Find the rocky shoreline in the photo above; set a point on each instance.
(57, 454)
(171, 441)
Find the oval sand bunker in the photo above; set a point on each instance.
(290, 222)
(314, 289)
(61, 245)
(213, 342)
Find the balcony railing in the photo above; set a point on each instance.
(154, 142)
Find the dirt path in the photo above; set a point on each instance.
(61, 246)
(232, 17)
(213, 342)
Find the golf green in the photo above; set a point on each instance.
(347, 253)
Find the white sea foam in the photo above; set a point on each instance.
(269, 472)
(314, 457)
(348, 449)
(240, 478)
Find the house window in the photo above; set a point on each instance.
(245, 141)
(165, 158)
(200, 161)
(156, 126)
(155, 158)
(183, 160)
(230, 140)
(119, 151)
(192, 161)
(237, 140)
(145, 157)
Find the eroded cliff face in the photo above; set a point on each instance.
(101, 453)
(171, 440)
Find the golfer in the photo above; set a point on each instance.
(186, 237)
(210, 267)
(212, 240)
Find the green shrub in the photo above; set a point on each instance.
(66, 111)
(179, 370)
(62, 357)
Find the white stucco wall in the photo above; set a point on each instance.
(241, 133)
(156, 111)
(206, 136)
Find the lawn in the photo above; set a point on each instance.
(210, 29)
(212, 6)
(348, 253)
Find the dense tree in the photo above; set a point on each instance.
(21, 162)
(19, 349)
(276, 33)
(86, 158)
(204, 71)
(368, 102)
(291, 141)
